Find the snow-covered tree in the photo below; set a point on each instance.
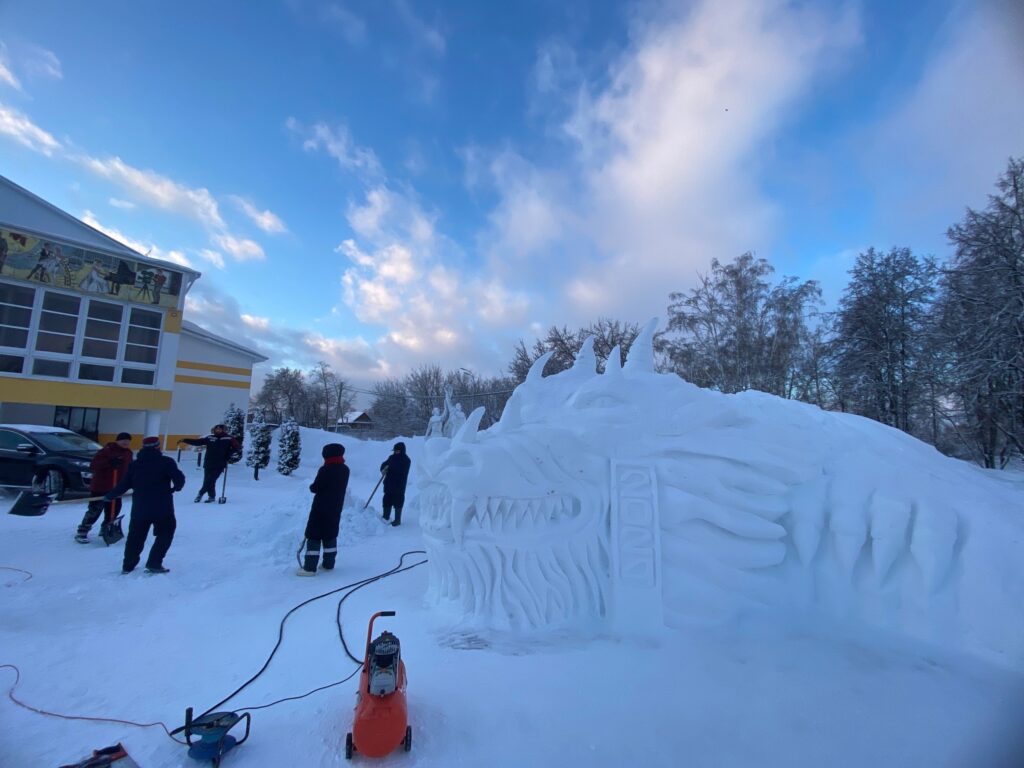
(289, 447)
(259, 444)
(234, 420)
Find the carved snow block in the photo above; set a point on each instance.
(636, 597)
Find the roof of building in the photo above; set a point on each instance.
(22, 211)
(353, 416)
(192, 329)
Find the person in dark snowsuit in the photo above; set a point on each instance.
(153, 479)
(219, 448)
(396, 475)
(107, 467)
(325, 515)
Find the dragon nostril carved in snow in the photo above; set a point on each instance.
(635, 499)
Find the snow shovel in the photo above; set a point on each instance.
(224, 487)
(375, 489)
(35, 503)
(110, 528)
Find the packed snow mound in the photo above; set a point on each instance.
(632, 500)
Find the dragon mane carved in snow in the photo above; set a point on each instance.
(633, 498)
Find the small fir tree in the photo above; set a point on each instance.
(259, 444)
(234, 420)
(289, 447)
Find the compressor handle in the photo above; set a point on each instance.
(386, 613)
(369, 636)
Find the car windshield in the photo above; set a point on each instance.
(64, 441)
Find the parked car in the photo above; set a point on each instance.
(50, 459)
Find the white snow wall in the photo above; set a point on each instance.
(629, 501)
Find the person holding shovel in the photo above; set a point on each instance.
(220, 447)
(325, 514)
(396, 474)
(107, 467)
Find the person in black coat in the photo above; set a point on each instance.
(152, 478)
(325, 515)
(396, 474)
(220, 446)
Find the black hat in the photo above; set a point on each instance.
(122, 436)
(219, 426)
(400, 447)
(332, 450)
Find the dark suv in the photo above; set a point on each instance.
(50, 459)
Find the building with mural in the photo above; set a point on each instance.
(92, 334)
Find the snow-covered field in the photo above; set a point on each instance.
(751, 692)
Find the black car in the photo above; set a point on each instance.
(50, 459)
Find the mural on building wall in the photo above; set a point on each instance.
(24, 257)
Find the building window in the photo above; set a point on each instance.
(15, 315)
(57, 368)
(143, 337)
(91, 372)
(58, 323)
(84, 421)
(102, 330)
(136, 376)
(11, 363)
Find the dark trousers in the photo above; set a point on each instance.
(398, 513)
(394, 500)
(313, 549)
(163, 525)
(93, 512)
(210, 475)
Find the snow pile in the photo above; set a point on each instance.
(631, 500)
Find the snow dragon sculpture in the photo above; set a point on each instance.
(632, 499)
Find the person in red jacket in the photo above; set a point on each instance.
(108, 467)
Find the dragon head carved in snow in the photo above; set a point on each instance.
(635, 498)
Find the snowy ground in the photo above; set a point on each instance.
(91, 642)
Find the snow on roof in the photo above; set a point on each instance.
(351, 416)
(191, 328)
(23, 211)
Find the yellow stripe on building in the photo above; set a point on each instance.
(40, 392)
(212, 382)
(214, 368)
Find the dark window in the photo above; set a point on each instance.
(51, 321)
(98, 329)
(20, 317)
(9, 441)
(11, 364)
(15, 294)
(55, 342)
(58, 302)
(95, 372)
(105, 349)
(84, 421)
(13, 337)
(41, 367)
(143, 336)
(136, 354)
(146, 318)
(101, 310)
(136, 376)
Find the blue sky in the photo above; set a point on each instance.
(391, 183)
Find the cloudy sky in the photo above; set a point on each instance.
(386, 183)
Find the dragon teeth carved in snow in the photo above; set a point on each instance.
(634, 498)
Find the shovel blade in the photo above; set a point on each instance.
(30, 504)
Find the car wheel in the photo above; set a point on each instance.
(53, 484)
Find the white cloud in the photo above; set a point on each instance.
(18, 127)
(267, 220)
(336, 142)
(240, 249)
(257, 323)
(213, 257)
(158, 190)
(427, 35)
(150, 250)
(353, 28)
(126, 205)
(43, 63)
(6, 74)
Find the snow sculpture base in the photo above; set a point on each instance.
(629, 501)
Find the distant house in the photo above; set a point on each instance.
(354, 420)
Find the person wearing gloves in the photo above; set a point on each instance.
(325, 514)
(107, 466)
(396, 474)
(153, 479)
